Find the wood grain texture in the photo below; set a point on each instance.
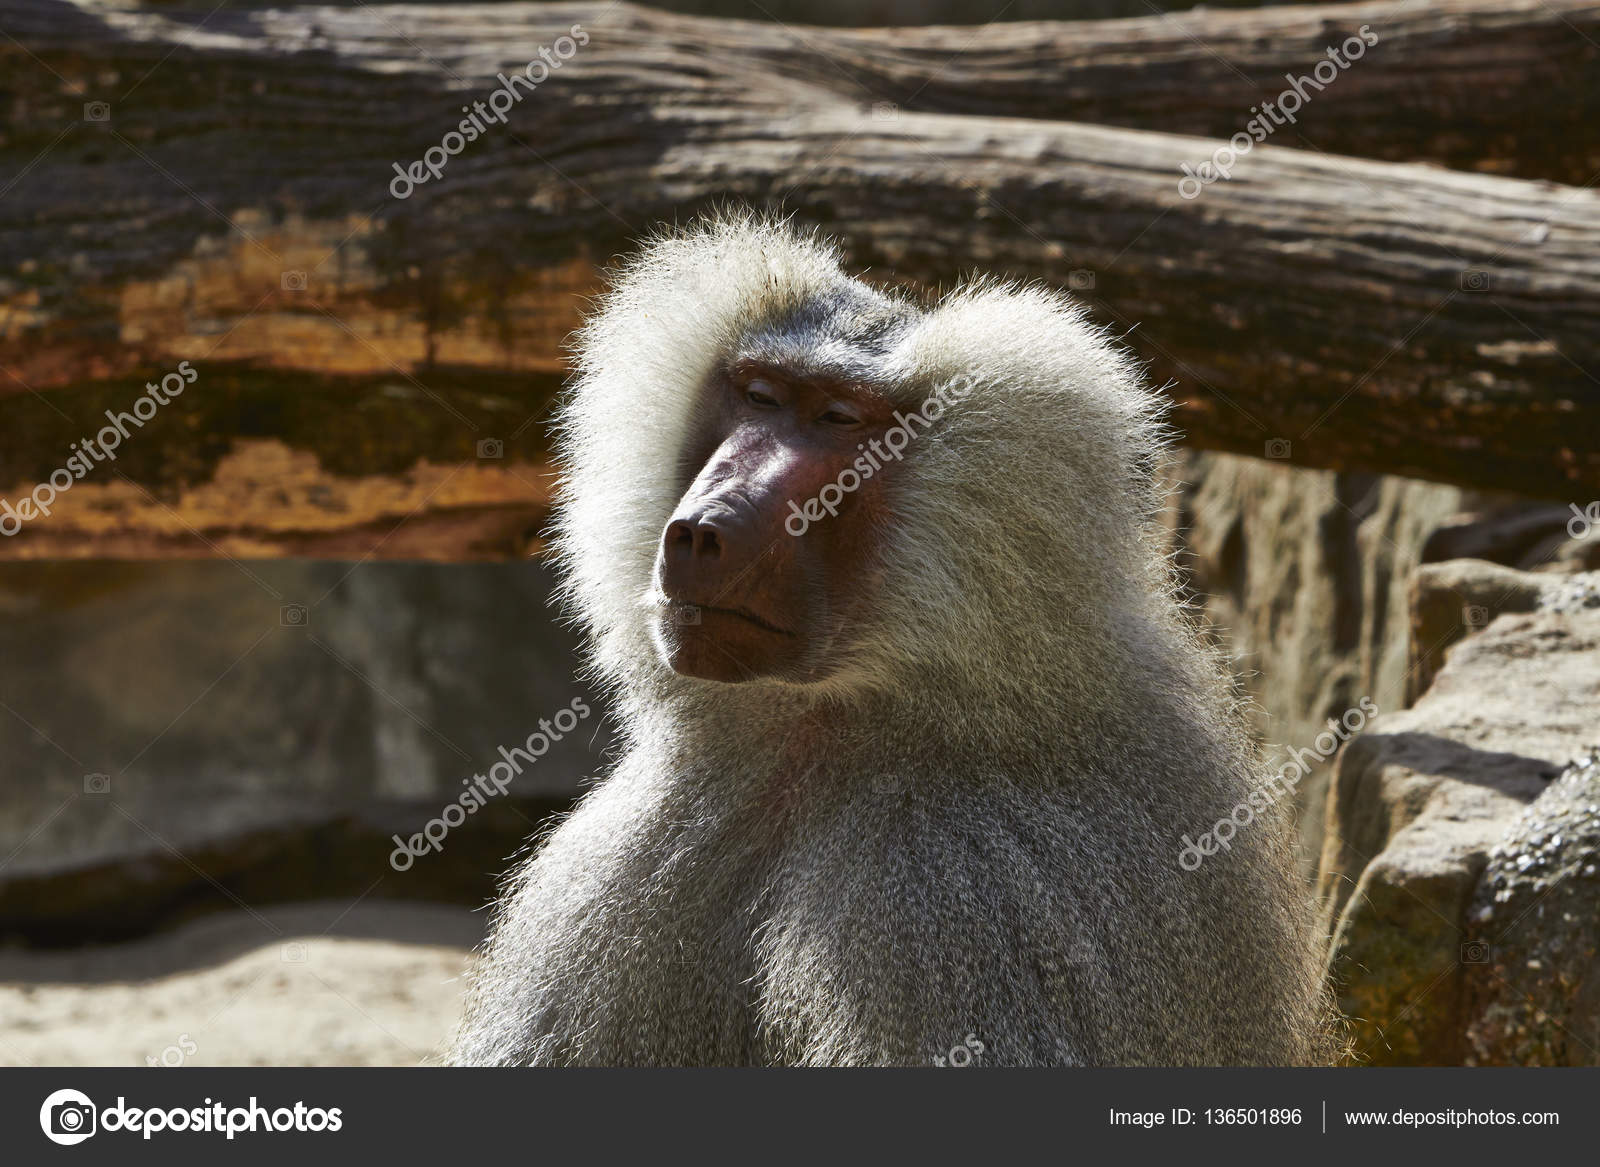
(233, 209)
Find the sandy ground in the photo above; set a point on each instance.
(308, 985)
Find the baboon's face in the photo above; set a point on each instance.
(762, 564)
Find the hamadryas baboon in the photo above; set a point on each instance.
(913, 723)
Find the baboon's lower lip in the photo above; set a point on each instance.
(742, 614)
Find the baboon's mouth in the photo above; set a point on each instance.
(745, 614)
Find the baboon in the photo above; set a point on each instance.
(913, 727)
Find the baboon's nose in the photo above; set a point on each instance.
(693, 538)
(703, 548)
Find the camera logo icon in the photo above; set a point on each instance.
(1081, 280)
(491, 448)
(885, 111)
(1475, 952)
(293, 281)
(67, 1117)
(96, 111)
(97, 783)
(888, 784)
(1475, 280)
(1279, 448)
(1475, 616)
(294, 616)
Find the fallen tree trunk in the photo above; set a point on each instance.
(232, 208)
(1505, 88)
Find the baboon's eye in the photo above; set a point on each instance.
(839, 415)
(761, 394)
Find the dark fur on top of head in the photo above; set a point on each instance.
(971, 825)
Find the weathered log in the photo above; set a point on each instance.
(1505, 88)
(232, 208)
(251, 463)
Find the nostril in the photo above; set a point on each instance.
(692, 539)
(680, 536)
